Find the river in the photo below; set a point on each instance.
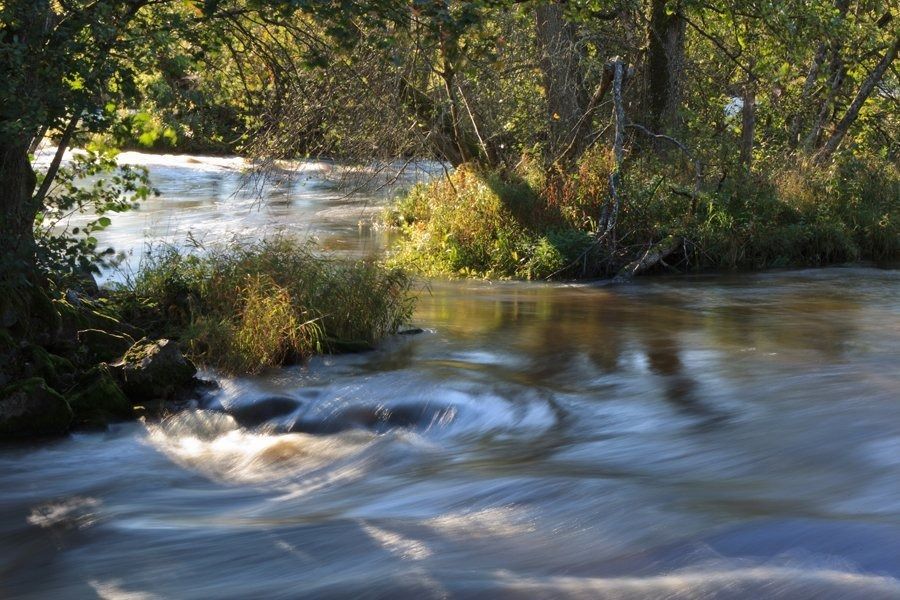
(680, 437)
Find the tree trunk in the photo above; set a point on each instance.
(865, 90)
(610, 214)
(811, 76)
(560, 64)
(835, 81)
(665, 65)
(17, 213)
(748, 124)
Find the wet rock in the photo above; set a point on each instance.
(411, 331)
(31, 407)
(104, 346)
(98, 400)
(262, 411)
(378, 419)
(348, 346)
(155, 370)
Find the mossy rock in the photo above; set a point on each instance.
(104, 346)
(31, 407)
(56, 370)
(154, 370)
(98, 399)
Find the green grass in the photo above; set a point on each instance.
(243, 309)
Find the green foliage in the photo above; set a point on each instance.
(485, 225)
(473, 224)
(88, 189)
(243, 309)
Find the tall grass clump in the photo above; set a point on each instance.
(244, 308)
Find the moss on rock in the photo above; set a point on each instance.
(99, 400)
(56, 370)
(31, 407)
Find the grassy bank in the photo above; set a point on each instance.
(521, 225)
(92, 356)
(242, 309)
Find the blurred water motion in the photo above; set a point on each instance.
(691, 437)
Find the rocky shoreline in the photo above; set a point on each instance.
(84, 370)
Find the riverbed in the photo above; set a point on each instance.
(709, 436)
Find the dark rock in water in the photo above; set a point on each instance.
(98, 399)
(104, 345)
(31, 407)
(373, 418)
(154, 370)
(411, 331)
(257, 413)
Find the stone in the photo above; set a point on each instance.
(98, 399)
(36, 361)
(154, 370)
(104, 346)
(30, 407)
(256, 413)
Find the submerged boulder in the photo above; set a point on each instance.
(256, 413)
(154, 370)
(31, 407)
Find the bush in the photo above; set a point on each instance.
(483, 225)
(243, 309)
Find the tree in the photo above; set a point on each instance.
(564, 91)
(63, 65)
(665, 64)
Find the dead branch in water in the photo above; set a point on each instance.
(654, 255)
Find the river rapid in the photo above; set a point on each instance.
(680, 437)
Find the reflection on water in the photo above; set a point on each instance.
(699, 437)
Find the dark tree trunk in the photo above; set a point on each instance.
(748, 123)
(665, 65)
(560, 63)
(17, 213)
(836, 75)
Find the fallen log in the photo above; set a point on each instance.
(654, 255)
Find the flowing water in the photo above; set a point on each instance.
(683, 437)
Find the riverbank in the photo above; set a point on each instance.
(92, 356)
(523, 225)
